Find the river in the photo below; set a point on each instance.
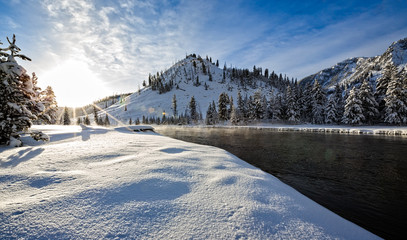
(362, 178)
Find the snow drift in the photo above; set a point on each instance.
(98, 183)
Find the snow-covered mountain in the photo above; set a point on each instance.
(354, 70)
(192, 76)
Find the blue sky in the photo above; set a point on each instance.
(97, 48)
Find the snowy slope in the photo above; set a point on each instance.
(113, 183)
(152, 104)
(353, 71)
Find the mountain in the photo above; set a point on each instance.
(193, 76)
(354, 70)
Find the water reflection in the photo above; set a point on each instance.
(362, 178)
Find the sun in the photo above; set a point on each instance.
(74, 83)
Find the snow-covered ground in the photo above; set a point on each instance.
(98, 183)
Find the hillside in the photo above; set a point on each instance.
(354, 70)
(192, 76)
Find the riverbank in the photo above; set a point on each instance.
(114, 183)
(340, 129)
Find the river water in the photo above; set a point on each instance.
(361, 178)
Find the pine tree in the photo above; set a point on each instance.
(331, 111)
(382, 83)
(107, 121)
(86, 121)
(369, 104)
(66, 120)
(222, 107)
(241, 106)
(292, 112)
(209, 115)
(395, 106)
(234, 116)
(174, 105)
(353, 108)
(19, 96)
(318, 104)
(130, 121)
(306, 108)
(192, 109)
(48, 99)
(78, 121)
(95, 115)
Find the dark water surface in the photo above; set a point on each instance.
(362, 178)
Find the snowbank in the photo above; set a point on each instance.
(116, 183)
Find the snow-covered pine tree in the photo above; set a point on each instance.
(241, 106)
(395, 106)
(353, 109)
(258, 105)
(292, 109)
(50, 103)
(209, 115)
(318, 103)
(222, 107)
(234, 116)
(66, 119)
(331, 111)
(19, 96)
(382, 83)
(306, 108)
(369, 104)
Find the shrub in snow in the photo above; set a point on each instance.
(19, 96)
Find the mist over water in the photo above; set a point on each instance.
(362, 178)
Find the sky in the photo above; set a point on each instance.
(86, 50)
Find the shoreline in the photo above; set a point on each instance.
(340, 129)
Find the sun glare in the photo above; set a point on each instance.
(74, 84)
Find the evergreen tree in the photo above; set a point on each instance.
(318, 104)
(292, 109)
(306, 108)
(331, 111)
(234, 116)
(222, 107)
(78, 121)
(209, 115)
(192, 109)
(241, 106)
(258, 110)
(106, 121)
(130, 121)
(395, 106)
(95, 116)
(48, 99)
(86, 121)
(19, 96)
(369, 104)
(353, 108)
(382, 83)
(174, 105)
(67, 120)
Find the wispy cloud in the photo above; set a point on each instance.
(122, 41)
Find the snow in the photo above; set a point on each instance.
(99, 182)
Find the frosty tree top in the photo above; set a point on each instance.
(14, 50)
